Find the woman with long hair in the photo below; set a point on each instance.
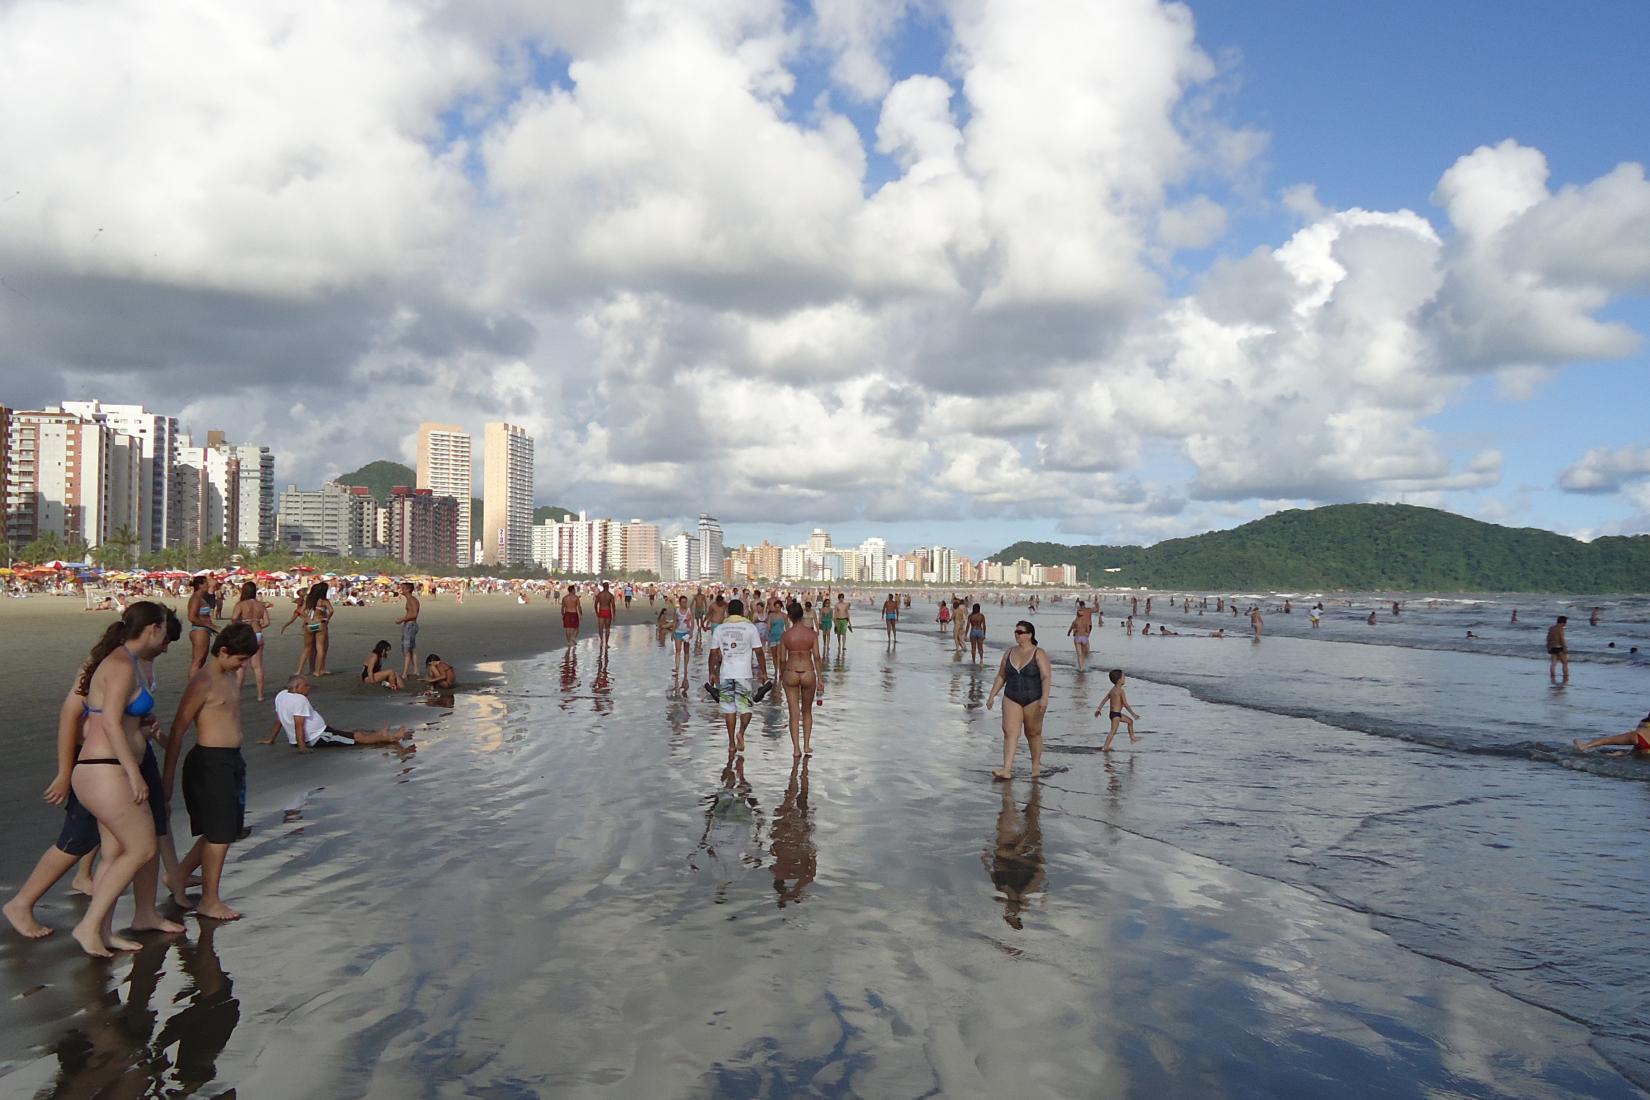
(374, 672)
(252, 611)
(108, 776)
(199, 614)
(1023, 679)
(800, 674)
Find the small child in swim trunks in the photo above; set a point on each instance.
(1121, 713)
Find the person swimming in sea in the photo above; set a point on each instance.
(1638, 737)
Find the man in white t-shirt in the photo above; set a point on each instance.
(738, 640)
(305, 728)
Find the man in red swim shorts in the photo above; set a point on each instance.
(604, 614)
(570, 614)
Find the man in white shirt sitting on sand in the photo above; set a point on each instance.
(305, 728)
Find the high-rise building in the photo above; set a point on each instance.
(819, 541)
(157, 438)
(445, 466)
(423, 527)
(765, 561)
(334, 519)
(873, 554)
(5, 471)
(69, 476)
(507, 495)
(639, 547)
(682, 558)
(710, 547)
(224, 491)
(544, 545)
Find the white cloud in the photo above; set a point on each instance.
(319, 222)
(1603, 470)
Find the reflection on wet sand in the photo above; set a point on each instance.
(114, 1050)
(1016, 861)
(733, 829)
(795, 856)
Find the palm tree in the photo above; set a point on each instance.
(118, 548)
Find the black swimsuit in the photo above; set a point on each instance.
(1022, 685)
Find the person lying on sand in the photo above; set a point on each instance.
(305, 728)
(1638, 738)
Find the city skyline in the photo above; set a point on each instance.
(1106, 272)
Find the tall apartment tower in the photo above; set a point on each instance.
(157, 438)
(445, 466)
(507, 495)
(710, 547)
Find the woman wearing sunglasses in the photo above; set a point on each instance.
(1023, 678)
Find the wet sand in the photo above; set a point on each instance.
(569, 891)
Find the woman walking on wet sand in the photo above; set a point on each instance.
(1023, 678)
(800, 673)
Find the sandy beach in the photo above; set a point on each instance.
(571, 890)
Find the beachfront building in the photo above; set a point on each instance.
(765, 561)
(423, 527)
(873, 554)
(446, 468)
(507, 495)
(680, 560)
(639, 547)
(544, 545)
(76, 478)
(334, 519)
(223, 491)
(793, 563)
(819, 541)
(157, 441)
(710, 547)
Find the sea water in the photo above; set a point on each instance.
(572, 889)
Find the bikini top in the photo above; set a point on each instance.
(142, 704)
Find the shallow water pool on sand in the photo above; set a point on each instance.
(570, 891)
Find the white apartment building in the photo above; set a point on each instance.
(157, 438)
(873, 554)
(507, 495)
(224, 491)
(446, 466)
(819, 541)
(793, 563)
(681, 557)
(77, 478)
(710, 547)
(334, 519)
(544, 544)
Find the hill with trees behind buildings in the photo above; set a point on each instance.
(1364, 547)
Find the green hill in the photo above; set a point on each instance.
(1365, 547)
(381, 477)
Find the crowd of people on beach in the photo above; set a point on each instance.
(116, 789)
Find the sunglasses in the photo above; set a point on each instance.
(1022, 632)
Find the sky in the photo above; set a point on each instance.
(945, 271)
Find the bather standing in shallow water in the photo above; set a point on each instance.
(1023, 678)
(800, 674)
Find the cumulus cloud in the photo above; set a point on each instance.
(623, 227)
(1603, 470)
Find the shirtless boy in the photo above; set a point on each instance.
(214, 774)
(1118, 700)
(1557, 651)
(408, 622)
(890, 617)
(570, 609)
(840, 623)
(605, 604)
(1080, 630)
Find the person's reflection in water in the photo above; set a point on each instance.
(202, 1028)
(733, 827)
(1016, 862)
(794, 853)
(569, 677)
(440, 699)
(110, 1043)
(601, 686)
(1117, 776)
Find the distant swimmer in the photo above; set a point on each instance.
(1592, 620)
(1515, 615)
(1638, 738)
(1023, 679)
(1255, 622)
(1558, 652)
(1080, 630)
(1471, 636)
(1396, 609)
(1117, 699)
(1371, 619)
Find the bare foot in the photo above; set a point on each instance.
(82, 886)
(1577, 743)
(156, 923)
(90, 942)
(1133, 738)
(217, 911)
(23, 920)
(121, 943)
(1002, 776)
